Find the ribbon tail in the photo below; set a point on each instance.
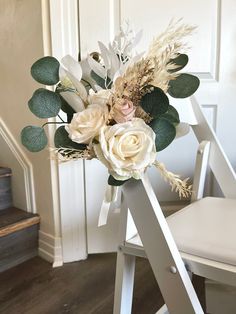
(102, 220)
(109, 198)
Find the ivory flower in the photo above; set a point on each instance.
(123, 110)
(126, 149)
(86, 124)
(99, 98)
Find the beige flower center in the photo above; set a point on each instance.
(126, 146)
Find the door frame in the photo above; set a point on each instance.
(64, 33)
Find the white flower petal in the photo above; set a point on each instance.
(86, 125)
(105, 55)
(62, 73)
(129, 63)
(115, 62)
(86, 70)
(73, 100)
(137, 38)
(127, 149)
(78, 85)
(182, 129)
(99, 98)
(97, 67)
(72, 66)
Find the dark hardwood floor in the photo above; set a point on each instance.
(85, 287)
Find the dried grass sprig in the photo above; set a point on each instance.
(172, 37)
(63, 154)
(165, 48)
(180, 186)
(132, 85)
(155, 68)
(163, 74)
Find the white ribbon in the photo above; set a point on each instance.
(110, 197)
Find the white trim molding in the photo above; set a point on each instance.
(64, 39)
(213, 74)
(114, 18)
(64, 28)
(73, 214)
(25, 164)
(50, 248)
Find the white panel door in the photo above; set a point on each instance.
(212, 59)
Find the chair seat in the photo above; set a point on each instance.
(205, 228)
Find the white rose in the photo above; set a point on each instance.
(86, 124)
(126, 149)
(100, 98)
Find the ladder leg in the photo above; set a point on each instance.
(125, 267)
(163, 310)
(160, 248)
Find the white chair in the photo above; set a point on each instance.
(199, 238)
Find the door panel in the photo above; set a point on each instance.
(153, 17)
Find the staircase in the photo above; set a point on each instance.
(18, 228)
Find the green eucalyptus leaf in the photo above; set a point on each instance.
(100, 81)
(165, 132)
(61, 139)
(181, 61)
(34, 138)
(183, 86)
(171, 115)
(155, 103)
(46, 70)
(112, 181)
(45, 103)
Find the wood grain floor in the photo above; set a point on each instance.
(85, 287)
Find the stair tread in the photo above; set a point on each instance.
(13, 219)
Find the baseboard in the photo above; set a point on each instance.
(50, 248)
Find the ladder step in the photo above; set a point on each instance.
(13, 219)
(18, 237)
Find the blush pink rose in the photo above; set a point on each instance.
(123, 111)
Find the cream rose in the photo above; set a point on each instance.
(123, 110)
(99, 98)
(86, 124)
(126, 149)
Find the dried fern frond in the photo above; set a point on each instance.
(172, 37)
(165, 48)
(177, 185)
(132, 84)
(155, 68)
(63, 154)
(162, 76)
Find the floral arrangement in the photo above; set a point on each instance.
(115, 104)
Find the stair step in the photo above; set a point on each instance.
(14, 219)
(18, 237)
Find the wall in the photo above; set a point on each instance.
(7, 159)
(21, 43)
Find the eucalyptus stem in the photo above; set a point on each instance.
(61, 118)
(87, 82)
(53, 123)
